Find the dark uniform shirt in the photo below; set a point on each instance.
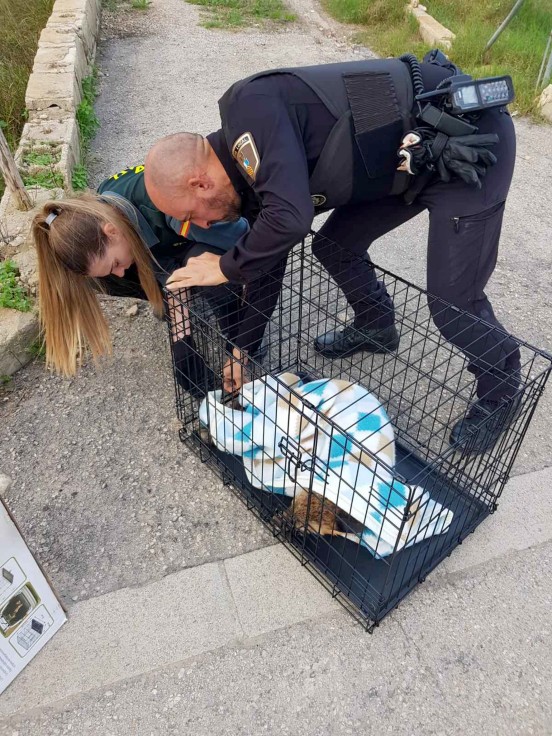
(289, 125)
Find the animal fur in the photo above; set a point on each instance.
(307, 510)
(317, 514)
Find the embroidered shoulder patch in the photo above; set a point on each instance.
(244, 151)
(318, 200)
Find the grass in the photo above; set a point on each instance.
(37, 349)
(238, 13)
(86, 117)
(35, 158)
(80, 178)
(387, 27)
(518, 51)
(48, 178)
(88, 123)
(12, 295)
(140, 4)
(20, 27)
(38, 168)
(21, 22)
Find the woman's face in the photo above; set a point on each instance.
(116, 258)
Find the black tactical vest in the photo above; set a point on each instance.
(372, 102)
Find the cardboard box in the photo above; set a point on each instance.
(30, 613)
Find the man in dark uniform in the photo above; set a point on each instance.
(296, 142)
(171, 243)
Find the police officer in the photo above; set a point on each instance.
(296, 142)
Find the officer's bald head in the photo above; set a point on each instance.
(172, 160)
(185, 179)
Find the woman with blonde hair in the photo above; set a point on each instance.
(118, 242)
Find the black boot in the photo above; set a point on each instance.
(191, 371)
(350, 340)
(474, 435)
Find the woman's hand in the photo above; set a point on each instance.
(233, 373)
(179, 317)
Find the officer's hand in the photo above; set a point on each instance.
(203, 270)
(233, 373)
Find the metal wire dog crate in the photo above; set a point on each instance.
(417, 508)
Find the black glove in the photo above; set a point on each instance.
(190, 370)
(466, 156)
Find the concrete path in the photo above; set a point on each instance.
(184, 617)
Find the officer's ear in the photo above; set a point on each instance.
(200, 183)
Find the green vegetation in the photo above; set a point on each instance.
(38, 158)
(88, 126)
(38, 167)
(47, 178)
(236, 13)
(518, 51)
(141, 4)
(80, 178)
(86, 117)
(22, 23)
(388, 28)
(38, 349)
(11, 294)
(20, 27)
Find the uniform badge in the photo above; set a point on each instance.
(318, 200)
(244, 151)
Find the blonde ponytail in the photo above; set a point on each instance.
(70, 314)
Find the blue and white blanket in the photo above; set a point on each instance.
(344, 449)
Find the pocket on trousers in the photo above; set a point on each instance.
(463, 222)
(473, 250)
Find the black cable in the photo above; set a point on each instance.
(445, 82)
(415, 73)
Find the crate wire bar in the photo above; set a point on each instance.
(424, 388)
